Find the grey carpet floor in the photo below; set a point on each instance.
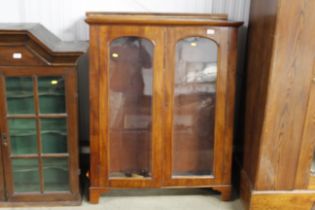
(173, 199)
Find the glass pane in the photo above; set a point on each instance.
(20, 96)
(130, 107)
(51, 92)
(25, 175)
(194, 106)
(56, 174)
(23, 136)
(54, 135)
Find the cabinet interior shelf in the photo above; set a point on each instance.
(23, 169)
(19, 94)
(33, 116)
(27, 94)
(61, 133)
(33, 133)
(42, 155)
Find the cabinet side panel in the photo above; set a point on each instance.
(230, 104)
(72, 111)
(95, 141)
(260, 44)
(288, 94)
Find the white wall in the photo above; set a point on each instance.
(65, 18)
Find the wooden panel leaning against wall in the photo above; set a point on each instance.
(279, 130)
(39, 117)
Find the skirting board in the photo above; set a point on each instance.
(275, 200)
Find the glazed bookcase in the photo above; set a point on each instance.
(38, 110)
(162, 90)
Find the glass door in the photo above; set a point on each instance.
(35, 141)
(134, 98)
(194, 107)
(130, 104)
(192, 77)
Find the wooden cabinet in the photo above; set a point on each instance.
(280, 106)
(38, 110)
(162, 90)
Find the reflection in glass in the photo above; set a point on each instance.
(23, 136)
(20, 96)
(56, 174)
(130, 107)
(51, 92)
(194, 106)
(54, 135)
(25, 175)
